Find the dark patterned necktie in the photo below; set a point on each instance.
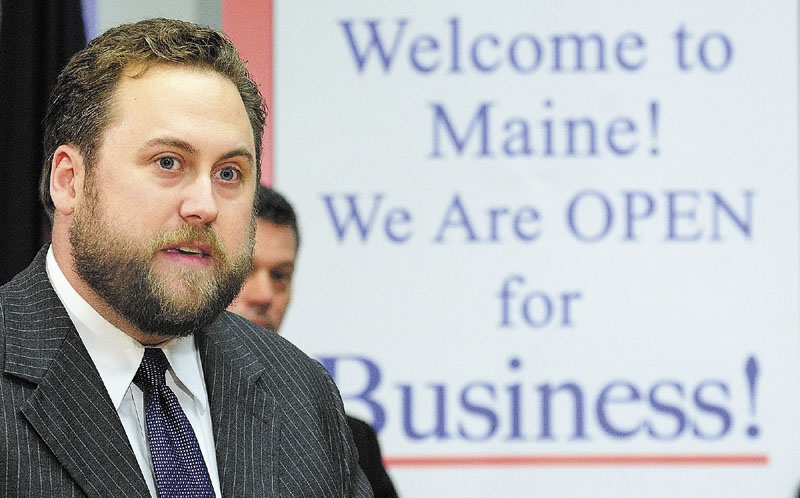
(178, 464)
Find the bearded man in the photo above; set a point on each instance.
(122, 374)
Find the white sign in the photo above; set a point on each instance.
(551, 248)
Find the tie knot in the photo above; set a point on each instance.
(152, 369)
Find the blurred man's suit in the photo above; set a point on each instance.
(275, 431)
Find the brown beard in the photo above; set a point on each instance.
(120, 270)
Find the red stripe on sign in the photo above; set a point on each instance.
(751, 459)
(248, 23)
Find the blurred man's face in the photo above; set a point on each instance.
(268, 287)
(164, 230)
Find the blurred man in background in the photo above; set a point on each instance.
(265, 297)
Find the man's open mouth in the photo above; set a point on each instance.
(189, 251)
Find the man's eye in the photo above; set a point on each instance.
(281, 276)
(167, 162)
(228, 174)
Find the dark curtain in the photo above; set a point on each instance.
(37, 38)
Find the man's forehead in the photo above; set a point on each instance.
(132, 75)
(141, 81)
(138, 71)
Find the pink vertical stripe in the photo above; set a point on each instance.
(249, 24)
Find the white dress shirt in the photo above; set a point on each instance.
(117, 356)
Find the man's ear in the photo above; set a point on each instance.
(67, 174)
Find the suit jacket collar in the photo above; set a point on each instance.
(70, 408)
(245, 418)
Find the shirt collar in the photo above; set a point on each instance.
(115, 354)
(184, 361)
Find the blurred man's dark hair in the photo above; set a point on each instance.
(273, 207)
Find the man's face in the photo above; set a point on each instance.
(268, 287)
(163, 230)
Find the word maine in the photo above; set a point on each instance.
(392, 43)
(485, 133)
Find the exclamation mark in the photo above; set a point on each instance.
(654, 126)
(751, 373)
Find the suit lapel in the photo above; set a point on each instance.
(70, 409)
(244, 417)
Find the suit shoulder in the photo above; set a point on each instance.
(262, 342)
(281, 358)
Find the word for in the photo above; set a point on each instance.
(534, 308)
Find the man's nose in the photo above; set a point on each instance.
(258, 290)
(199, 206)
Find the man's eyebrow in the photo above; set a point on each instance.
(170, 142)
(242, 152)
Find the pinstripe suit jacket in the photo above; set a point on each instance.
(279, 425)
